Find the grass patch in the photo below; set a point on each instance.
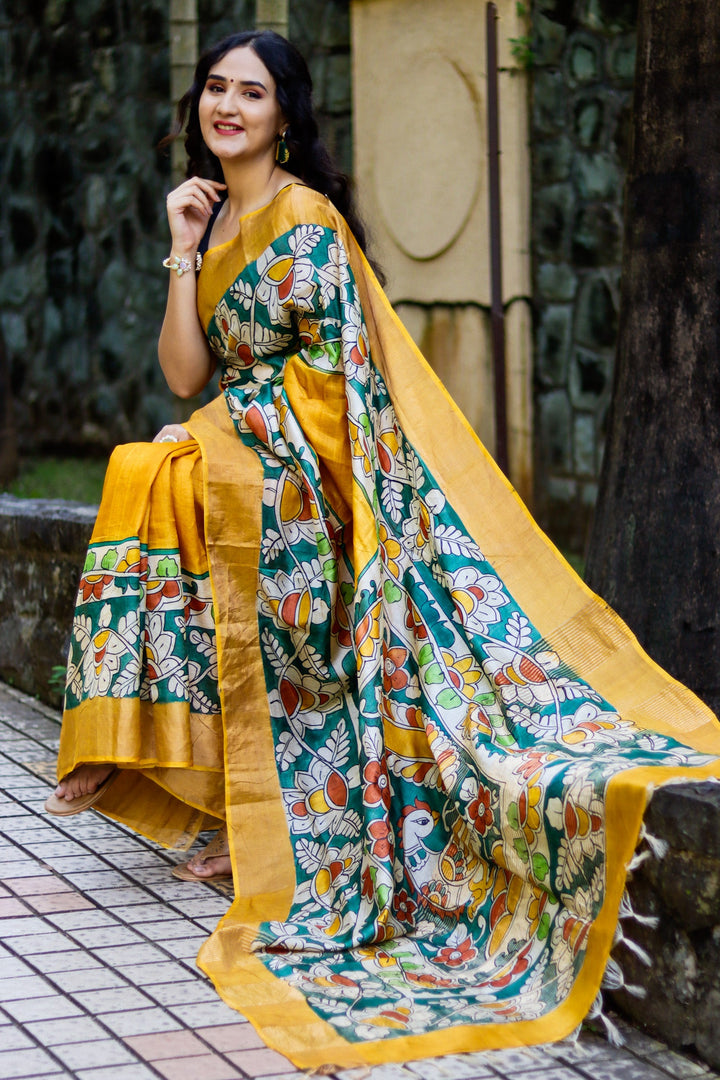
(78, 479)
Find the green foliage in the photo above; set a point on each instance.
(522, 47)
(78, 479)
(56, 682)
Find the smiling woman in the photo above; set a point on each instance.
(319, 621)
(238, 112)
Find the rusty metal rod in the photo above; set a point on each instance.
(497, 314)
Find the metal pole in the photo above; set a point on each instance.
(497, 315)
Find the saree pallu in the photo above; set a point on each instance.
(328, 620)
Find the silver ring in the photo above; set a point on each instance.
(168, 438)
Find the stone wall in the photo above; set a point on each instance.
(42, 552)
(582, 87)
(83, 103)
(681, 890)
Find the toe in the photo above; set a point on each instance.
(219, 865)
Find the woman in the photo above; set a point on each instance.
(324, 619)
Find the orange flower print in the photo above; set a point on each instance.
(404, 907)
(414, 622)
(531, 761)
(519, 967)
(382, 839)
(480, 812)
(414, 717)
(367, 632)
(367, 885)
(377, 787)
(457, 954)
(93, 585)
(395, 677)
(159, 591)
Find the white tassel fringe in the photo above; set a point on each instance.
(627, 911)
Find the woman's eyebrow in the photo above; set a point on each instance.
(243, 82)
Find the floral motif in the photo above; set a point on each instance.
(480, 811)
(395, 675)
(457, 952)
(376, 788)
(404, 907)
(382, 845)
(478, 598)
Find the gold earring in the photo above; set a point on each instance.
(282, 154)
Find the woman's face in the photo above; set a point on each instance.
(238, 110)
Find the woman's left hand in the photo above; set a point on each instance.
(172, 433)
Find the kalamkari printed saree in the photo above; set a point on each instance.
(328, 620)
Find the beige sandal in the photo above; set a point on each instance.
(218, 846)
(66, 807)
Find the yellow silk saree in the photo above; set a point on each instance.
(328, 620)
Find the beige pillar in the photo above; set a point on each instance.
(272, 15)
(421, 168)
(183, 58)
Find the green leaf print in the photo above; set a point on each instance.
(383, 895)
(485, 699)
(109, 559)
(425, 655)
(168, 567)
(521, 848)
(434, 674)
(392, 593)
(448, 699)
(540, 866)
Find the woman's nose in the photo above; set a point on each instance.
(227, 103)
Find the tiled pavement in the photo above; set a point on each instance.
(97, 972)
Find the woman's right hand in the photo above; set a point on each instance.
(188, 208)
(172, 433)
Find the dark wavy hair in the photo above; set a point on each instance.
(309, 159)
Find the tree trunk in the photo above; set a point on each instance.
(655, 547)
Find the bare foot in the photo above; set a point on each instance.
(218, 866)
(82, 781)
(212, 862)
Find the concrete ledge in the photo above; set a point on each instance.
(682, 889)
(42, 552)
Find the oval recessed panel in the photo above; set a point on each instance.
(427, 156)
